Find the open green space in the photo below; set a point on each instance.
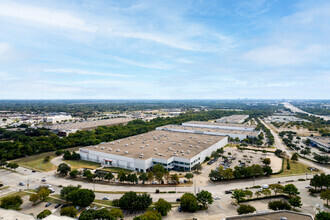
(296, 168)
(116, 169)
(77, 164)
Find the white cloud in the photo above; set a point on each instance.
(44, 16)
(281, 55)
(85, 72)
(160, 66)
(4, 48)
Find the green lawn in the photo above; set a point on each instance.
(105, 202)
(77, 164)
(116, 169)
(297, 168)
(36, 162)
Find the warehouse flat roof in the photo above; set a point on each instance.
(323, 140)
(235, 118)
(219, 124)
(213, 130)
(159, 144)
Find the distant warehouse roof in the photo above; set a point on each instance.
(159, 144)
(219, 125)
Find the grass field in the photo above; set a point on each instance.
(116, 169)
(77, 164)
(36, 161)
(297, 168)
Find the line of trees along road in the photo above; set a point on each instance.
(16, 144)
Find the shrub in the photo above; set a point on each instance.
(157, 190)
(44, 214)
(11, 202)
(279, 205)
(245, 209)
(69, 211)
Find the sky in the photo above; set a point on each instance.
(221, 49)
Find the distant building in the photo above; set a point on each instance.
(174, 150)
(233, 119)
(227, 126)
(276, 215)
(56, 118)
(241, 134)
(320, 142)
(284, 118)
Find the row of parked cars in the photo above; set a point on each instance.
(212, 160)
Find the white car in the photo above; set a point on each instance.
(265, 186)
(216, 197)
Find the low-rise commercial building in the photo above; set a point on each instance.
(211, 131)
(227, 126)
(174, 150)
(233, 119)
(320, 142)
(57, 118)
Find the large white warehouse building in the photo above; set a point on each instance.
(174, 150)
(241, 134)
(227, 126)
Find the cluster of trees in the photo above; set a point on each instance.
(101, 214)
(245, 209)
(44, 214)
(42, 194)
(133, 201)
(322, 215)
(321, 159)
(71, 156)
(78, 196)
(190, 203)
(320, 181)
(242, 172)
(269, 135)
(11, 202)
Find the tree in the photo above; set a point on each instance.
(121, 176)
(238, 194)
(174, 178)
(205, 198)
(63, 168)
(248, 193)
(117, 213)
(67, 189)
(3, 162)
(133, 201)
(325, 195)
(150, 176)
(295, 157)
(73, 173)
(43, 193)
(189, 202)
(228, 174)
(159, 176)
(81, 197)
(149, 215)
(103, 214)
(46, 159)
(12, 165)
(295, 201)
(189, 176)
(44, 214)
(291, 189)
(69, 211)
(245, 209)
(158, 168)
(257, 193)
(11, 202)
(109, 176)
(322, 216)
(198, 167)
(163, 207)
(132, 178)
(34, 198)
(277, 188)
(143, 177)
(266, 192)
(278, 205)
(267, 170)
(266, 161)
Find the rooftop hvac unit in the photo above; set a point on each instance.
(160, 154)
(147, 145)
(183, 139)
(143, 142)
(112, 143)
(118, 150)
(164, 142)
(183, 154)
(141, 147)
(181, 151)
(138, 139)
(198, 142)
(110, 149)
(180, 144)
(126, 152)
(197, 146)
(118, 141)
(132, 143)
(95, 147)
(176, 135)
(158, 141)
(204, 142)
(155, 149)
(102, 148)
(174, 143)
(126, 145)
(190, 145)
(188, 151)
(141, 135)
(129, 138)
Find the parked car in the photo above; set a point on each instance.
(265, 186)
(228, 192)
(216, 197)
(105, 198)
(51, 190)
(308, 187)
(33, 171)
(48, 204)
(43, 180)
(21, 184)
(95, 208)
(57, 205)
(179, 209)
(178, 199)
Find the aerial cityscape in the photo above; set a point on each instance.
(151, 110)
